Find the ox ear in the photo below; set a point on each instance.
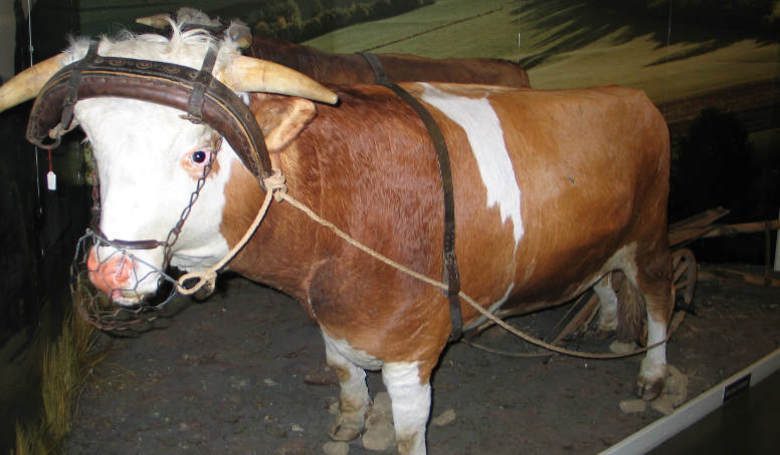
(281, 118)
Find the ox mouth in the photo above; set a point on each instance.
(133, 299)
(127, 299)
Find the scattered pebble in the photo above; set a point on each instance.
(295, 428)
(239, 383)
(335, 448)
(445, 418)
(380, 434)
(270, 382)
(663, 405)
(333, 408)
(674, 394)
(323, 376)
(633, 406)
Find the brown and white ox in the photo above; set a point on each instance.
(553, 190)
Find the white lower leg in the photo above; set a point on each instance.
(653, 370)
(411, 403)
(654, 363)
(608, 304)
(353, 396)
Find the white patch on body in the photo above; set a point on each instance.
(411, 402)
(486, 137)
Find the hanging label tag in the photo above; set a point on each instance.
(51, 181)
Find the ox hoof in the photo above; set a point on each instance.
(651, 381)
(345, 431)
(649, 390)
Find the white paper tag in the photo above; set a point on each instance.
(51, 181)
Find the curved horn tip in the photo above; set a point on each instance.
(26, 85)
(249, 74)
(330, 98)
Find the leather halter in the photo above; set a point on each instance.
(451, 274)
(196, 92)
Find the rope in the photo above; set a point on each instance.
(277, 190)
(276, 186)
(438, 284)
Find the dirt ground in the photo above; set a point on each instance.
(242, 373)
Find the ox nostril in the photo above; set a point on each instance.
(110, 275)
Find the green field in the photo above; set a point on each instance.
(565, 44)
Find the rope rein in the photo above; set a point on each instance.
(277, 189)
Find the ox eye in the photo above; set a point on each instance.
(199, 157)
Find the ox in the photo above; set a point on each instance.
(553, 190)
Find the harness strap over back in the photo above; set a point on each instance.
(451, 274)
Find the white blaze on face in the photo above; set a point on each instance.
(483, 129)
(144, 158)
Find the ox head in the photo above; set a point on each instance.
(150, 159)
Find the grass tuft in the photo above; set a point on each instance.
(66, 363)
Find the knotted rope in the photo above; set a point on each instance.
(276, 187)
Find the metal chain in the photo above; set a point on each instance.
(173, 234)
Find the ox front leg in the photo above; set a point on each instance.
(411, 402)
(353, 396)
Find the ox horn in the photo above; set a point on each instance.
(27, 84)
(247, 74)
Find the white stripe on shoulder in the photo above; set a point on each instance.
(486, 137)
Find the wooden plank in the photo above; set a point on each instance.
(704, 218)
(694, 227)
(742, 228)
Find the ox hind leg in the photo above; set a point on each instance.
(353, 396)
(652, 278)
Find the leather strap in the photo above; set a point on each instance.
(157, 82)
(451, 273)
(199, 87)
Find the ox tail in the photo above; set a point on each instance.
(631, 315)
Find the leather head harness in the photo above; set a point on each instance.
(196, 92)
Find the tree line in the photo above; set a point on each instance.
(300, 20)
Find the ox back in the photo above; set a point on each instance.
(349, 69)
